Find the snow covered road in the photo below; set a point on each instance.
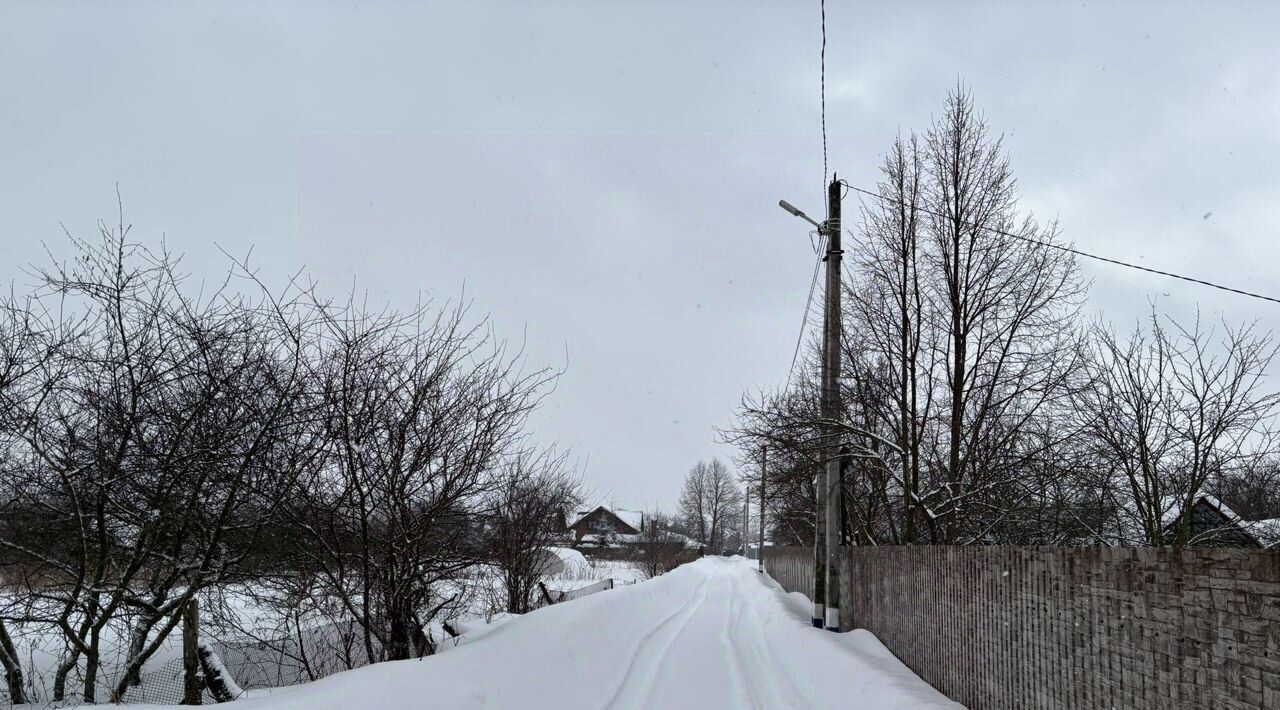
(712, 634)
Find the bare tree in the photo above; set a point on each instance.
(789, 424)
(26, 339)
(1174, 410)
(891, 313)
(961, 349)
(1252, 491)
(1005, 312)
(159, 442)
(711, 502)
(961, 343)
(522, 520)
(417, 412)
(149, 428)
(660, 548)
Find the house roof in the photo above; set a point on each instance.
(1172, 506)
(1266, 532)
(1235, 528)
(1124, 528)
(634, 518)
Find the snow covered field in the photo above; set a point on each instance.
(712, 634)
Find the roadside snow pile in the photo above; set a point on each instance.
(711, 634)
(473, 629)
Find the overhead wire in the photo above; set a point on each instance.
(822, 73)
(821, 247)
(813, 282)
(1069, 250)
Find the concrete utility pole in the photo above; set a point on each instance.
(826, 537)
(746, 520)
(831, 409)
(764, 467)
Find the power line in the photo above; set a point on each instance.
(823, 75)
(1069, 250)
(813, 282)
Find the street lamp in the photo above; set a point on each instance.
(797, 213)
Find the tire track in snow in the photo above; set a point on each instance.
(785, 693)
(664, 658)
(643, 666)
(729, 638)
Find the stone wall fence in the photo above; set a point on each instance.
(1030, 628)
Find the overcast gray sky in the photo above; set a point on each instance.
(605, 178)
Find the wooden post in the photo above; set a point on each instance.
(192, 685)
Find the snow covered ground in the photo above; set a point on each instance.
(711, 634)
(258, 666)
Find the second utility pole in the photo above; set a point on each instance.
(831, 351)
(764, 468)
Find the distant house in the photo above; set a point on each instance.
(1212, 524)
(599, 524)
(1215, 525)
(1266, 532)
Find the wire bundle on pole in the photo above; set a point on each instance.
(813, 282)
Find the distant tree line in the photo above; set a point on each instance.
(711, 507)
(979, 406)
(159, 441)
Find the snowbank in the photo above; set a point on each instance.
(711, 634)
